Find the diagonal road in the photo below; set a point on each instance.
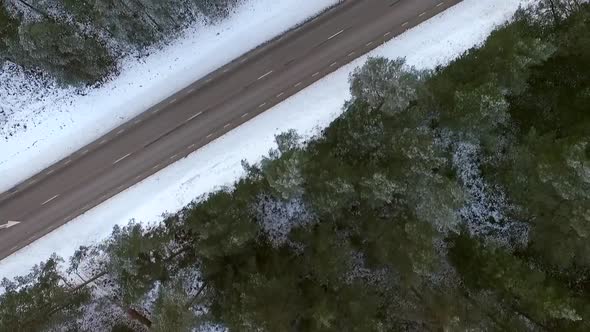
(202, 112)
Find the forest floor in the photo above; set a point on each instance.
(53, 122)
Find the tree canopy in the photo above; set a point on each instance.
(447, 200)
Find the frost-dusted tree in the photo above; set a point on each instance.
(173, 312)
(41, 300)
(555, 195)
(59, 49)
(282, 169)
(124, 26)
(8, 33)
(558, 10)
(527, 290)
(388, 83)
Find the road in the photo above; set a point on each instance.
(201, 112)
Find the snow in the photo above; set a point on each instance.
(218, 164)
(41, 123)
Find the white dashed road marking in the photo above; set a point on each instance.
(194, 116)
(336, 34)
(120, 159)
(263, 76)
(49, 200)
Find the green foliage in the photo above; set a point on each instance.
(529, 290)
(171, 313)
(380, 223)
(61, 50)
(79, 42)
(40, 300)
(8, 31)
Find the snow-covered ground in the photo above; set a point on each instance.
(41, 123)
(435, 42)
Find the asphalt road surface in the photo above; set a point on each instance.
(202, 112)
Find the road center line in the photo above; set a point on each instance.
(137, 121)
(424, 13)
(50, 172)
(103, 141)
(49, 200)
(209, 135)
(405, 23)
(194, 116)
(191, 146)
(440, 3)
(156, 110)
(85, 152)
(172, 101)
(387, 34)
(121, 131)
(298, 84)
(191, 90)
(118, 160)
(333, 64)
(226, 125)
(67, 161)
(174, 156)
(315, 74)
(350, 54)
(280, 94)
(158, 165)
(260, 106)
(336, 34)
(369, 44)
(263, 76)
(244, 115)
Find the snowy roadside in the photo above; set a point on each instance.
(435, 42)
(41, 123)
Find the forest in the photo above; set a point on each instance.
(78, 42)
(454, 199)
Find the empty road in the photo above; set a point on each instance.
(201, 112)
